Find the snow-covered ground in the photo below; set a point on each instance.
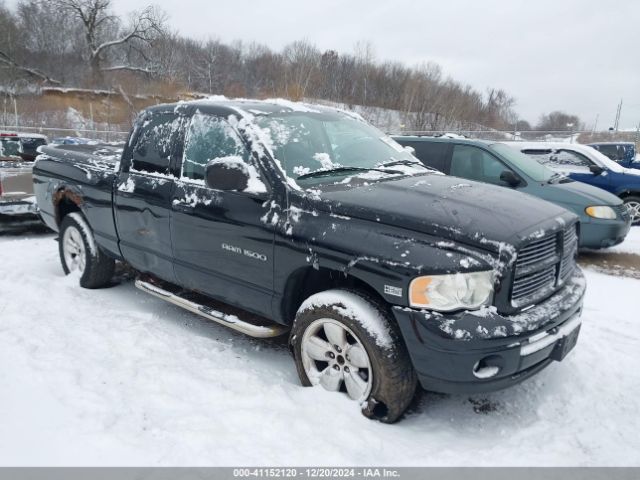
(631, 244)
(116, 377)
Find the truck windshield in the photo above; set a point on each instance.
(537, 172)
(321, 146)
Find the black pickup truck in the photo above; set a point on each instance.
(274, 217)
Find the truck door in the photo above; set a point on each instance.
(142, 196)
(221, 245)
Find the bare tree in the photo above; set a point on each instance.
(103, 32)
(559, 121)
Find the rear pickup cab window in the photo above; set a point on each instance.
(152, 151)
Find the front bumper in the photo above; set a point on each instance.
(484, 351)
(603, 233)
(19, 207)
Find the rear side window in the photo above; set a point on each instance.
(432, 154)
(154, 144)
(210, 138)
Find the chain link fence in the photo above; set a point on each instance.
(584, 136)
(59, 133)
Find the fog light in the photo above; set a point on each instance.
(487, 367)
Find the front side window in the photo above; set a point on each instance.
(475, 164)
(212, 139)
(156, 138)
(531, 168)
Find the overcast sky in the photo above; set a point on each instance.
(581, 56)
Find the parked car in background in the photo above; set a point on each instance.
(302, 219)
(623, 153)
(70, 141)
(587, 165)
(604, 220)
(17, 152)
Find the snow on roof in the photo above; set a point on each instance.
(578, 147)
(22, 135)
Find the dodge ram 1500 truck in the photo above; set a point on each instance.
(273, 217)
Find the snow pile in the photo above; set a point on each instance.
(631, 244)
(118, 377)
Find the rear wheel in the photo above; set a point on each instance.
(633, 205)
(80, 254)
(345, 342)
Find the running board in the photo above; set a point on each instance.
(232, 321)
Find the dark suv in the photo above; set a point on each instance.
(622, 152)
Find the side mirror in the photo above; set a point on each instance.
(510, 178)
(410, 149)
(596, 170)
(227, 175)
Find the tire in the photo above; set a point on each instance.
(387, 381)
(633, 204)
(79, 252)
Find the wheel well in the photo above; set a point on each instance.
(309, 281)
(65, 202)
(628, 193)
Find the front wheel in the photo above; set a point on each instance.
(633, 206)
(80, 254)
(346, 343)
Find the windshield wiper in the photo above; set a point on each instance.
(556, 178)
(411, 163)
(332, 171)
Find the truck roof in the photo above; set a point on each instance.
(224, 106)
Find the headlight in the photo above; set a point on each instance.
(446, 293)
(606, 213)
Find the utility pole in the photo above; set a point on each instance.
(15, 110)
(595, 125)
(617, 123)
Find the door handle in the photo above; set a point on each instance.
(183, 206)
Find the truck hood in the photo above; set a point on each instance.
(449, 208)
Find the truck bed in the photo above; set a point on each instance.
(86, 172)
(95, 156)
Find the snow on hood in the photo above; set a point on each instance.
(476, 214)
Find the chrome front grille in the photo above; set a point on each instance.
(569, 250)
(525, 286)
(543, 265)
(537, 252)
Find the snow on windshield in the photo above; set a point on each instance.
(332, 145)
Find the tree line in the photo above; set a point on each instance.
(83, 43)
